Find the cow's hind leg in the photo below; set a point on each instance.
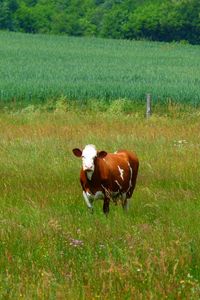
(106, 206)
(125, 202)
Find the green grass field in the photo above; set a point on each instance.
(51, 247)
(35, 68)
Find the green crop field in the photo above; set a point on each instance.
(51, 247)
(34, 68)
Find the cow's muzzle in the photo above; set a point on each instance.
(88, 169)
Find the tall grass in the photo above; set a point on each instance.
(40, 67)
(51, 247)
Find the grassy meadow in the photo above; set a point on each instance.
(35, 68)
(51, 247)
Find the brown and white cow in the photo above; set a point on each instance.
(109, 176)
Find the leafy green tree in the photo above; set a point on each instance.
(43, 16)
(25, 19)
(164, 20)
(113, 22)
(7, 9)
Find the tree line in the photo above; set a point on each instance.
(166, 20)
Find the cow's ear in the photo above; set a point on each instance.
(77, 152)
(102, 154)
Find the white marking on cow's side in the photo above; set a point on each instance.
(108, 193)
(131, 174)
(86, 199)
(120, 187)
(105, 189)
(121, 171)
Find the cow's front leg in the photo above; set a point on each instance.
(87, 201)
(106, 205)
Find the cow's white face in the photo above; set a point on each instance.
(89, 154)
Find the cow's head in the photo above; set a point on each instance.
(89, 155)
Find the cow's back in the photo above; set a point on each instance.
(121, 158)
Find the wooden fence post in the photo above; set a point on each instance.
(148, 107)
